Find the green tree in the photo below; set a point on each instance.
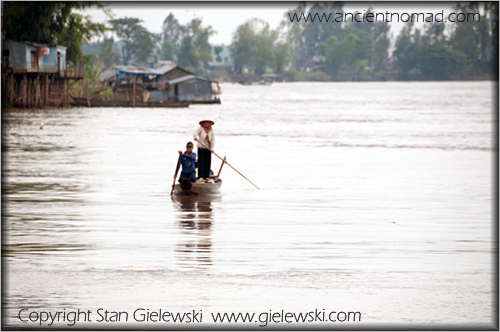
(195, 48)
(185, 55)
(407, 51)
(218, 50)
(347, 58)
(137, 41)
(293, 35)
(173, 33)
(319, 30)
(253, 47)
(107, 53)
(437, 62)
(381, 32)
(242, 48)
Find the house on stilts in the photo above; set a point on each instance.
(37, 75)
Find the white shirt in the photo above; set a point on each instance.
(201, 136)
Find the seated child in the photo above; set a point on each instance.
(188, 160)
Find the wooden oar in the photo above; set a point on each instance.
(176, 171)
(228, 164)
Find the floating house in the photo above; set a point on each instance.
(167, 83)
(169, 70)
(134, 83)
(190, 88)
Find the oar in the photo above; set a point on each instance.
(176, 171)
(228, 164)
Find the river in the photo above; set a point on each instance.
(376, 198)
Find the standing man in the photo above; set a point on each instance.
(205, 135)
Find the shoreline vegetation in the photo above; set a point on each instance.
(296, 51)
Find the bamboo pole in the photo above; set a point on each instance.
(228, 164)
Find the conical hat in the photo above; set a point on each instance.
(207, 120)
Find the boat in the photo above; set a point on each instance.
(121, 103)
(202, 187)
(209, 186)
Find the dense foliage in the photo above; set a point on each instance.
(298, 50)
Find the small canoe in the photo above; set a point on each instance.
(200, 187)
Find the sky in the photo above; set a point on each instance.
(225, 17)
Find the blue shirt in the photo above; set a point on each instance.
(188, 162)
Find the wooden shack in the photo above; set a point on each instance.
(178, 84)
(166, 83)
(134, 83)
(36, 74)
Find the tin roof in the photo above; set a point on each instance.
(186, 78)
(137, 70)
(166, 67)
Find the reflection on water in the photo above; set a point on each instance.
(195, 218)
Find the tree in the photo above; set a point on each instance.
(52, 23)
(195, 48)
(437, 62)
(107, 53)
(218, 50)
(185, 55)
(173, 34)
(293, 35)
(381, 44)
(320, 29)
(137, 41)
(408, 46)
(347, 57)
(253, 47)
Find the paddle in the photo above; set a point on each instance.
(227, 164)
(176, 171)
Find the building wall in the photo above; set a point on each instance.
(17, 55)
(192, 90)
(195, 90)
(174, 73)
(20, 58)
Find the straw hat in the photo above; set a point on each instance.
(207, 120)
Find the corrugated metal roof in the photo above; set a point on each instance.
(166, 68)
(137, 70)
(186, 78)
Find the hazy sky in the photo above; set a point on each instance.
(224, 17)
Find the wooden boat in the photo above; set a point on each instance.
(200, 187)
(120, 103)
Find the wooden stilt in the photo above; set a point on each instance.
(37, 91)
(29, 95)
(24, 91)
(133, 93)
(46, 90)
(126, 90)
(66, 93)
(12, 89)
(88, 100)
